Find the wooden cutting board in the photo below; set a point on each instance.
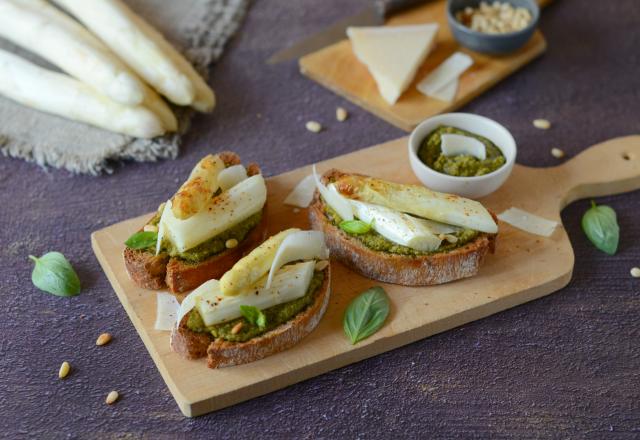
(523, 268)
(337, 68)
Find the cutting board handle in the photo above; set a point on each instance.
(611, 167)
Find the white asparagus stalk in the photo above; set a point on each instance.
(205, 99)
(70, 46)
(144, 49)
(67, 47)
(156, 104)
(62, 95)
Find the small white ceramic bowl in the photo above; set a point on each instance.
(470, 187)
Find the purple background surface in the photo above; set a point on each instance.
(565, 366)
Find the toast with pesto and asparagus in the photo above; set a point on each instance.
(216, 217)
(401, 234)
(266, 303)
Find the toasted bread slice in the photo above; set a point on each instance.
(156, 272)
(221, 353)
(424, 270)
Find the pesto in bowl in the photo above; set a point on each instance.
(462, 165)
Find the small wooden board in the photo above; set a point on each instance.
(524, 267)
(337, 68)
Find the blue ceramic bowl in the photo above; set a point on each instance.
(495, 44)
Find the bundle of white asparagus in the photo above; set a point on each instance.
(115, 65)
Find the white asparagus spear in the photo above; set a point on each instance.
(143, 48)
(65, 96)
(205, 99)
(67, 48)
(156, 104)
(69, 45)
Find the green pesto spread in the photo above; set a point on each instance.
(462, 165)
(276, 315)
(373, 240)
(216, 244)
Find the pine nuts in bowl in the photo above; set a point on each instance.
(493, 27)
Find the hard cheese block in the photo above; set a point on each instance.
(337, 68)
(393, 54)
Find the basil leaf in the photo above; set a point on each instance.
(54, 274)
(355, 227)
(142, 240)
(600, 224)
(366, 314)
(254, 315)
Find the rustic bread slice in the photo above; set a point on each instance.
(155, 272)
(406, 270)
(146, 269)
(221, 353)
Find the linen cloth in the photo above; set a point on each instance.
(198, 28)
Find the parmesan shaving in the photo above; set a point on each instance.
(450, 70)
(167, 308)
(302, 194)
(333, 198)
(448, 92)
(231, 176)
(456, 144)
(528, 222)
(300, 245)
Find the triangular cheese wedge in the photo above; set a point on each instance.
(393, 54)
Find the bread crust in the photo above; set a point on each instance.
(155, 272)
(221, 353)
(146, 269)
(406, 270)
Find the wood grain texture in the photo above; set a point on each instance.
(564, 366)
(524, 267)
(337, 68)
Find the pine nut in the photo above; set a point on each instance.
(64, 370)
(542, 124)
(314, 126)
(495, 18)
(103, 339)
(557, 153)
(112, 397)
(150, 228)
(341, 114)
(321, 265)
(231, 243)
(635, 272)
(296, 210)
(236, 328)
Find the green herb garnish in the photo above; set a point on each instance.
(366, 314)
(600, 225)
(356, 227)
(254, 315)
(142, 240)
(54, 274)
